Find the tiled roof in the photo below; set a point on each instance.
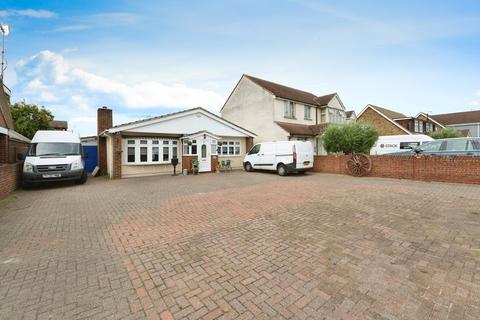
(458, 117)
(389, 113)
(289, 93)
(302, 129)
(59, 124)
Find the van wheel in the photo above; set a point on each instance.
(282, 170)
(83, 179)
(248, 167)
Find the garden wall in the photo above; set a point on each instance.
(10, 177)
(425, 168)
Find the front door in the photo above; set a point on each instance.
(204, 155)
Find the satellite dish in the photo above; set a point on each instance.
(5, 29)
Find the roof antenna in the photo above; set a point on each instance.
(5, 31)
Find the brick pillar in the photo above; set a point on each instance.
(117, 156)
(104, 121)
(249, 143)
(3, 148)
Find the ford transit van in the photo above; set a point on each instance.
(54, 156)
(281, 156)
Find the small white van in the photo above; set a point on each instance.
(281, 156)
(391, 144)
(54, 156)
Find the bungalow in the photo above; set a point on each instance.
(147, 147)
(467, 122)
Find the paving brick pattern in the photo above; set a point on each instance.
(241, 246)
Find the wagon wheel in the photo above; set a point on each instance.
(359, 165)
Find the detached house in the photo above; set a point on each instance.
(276, 112)
(467, 122)
(147, 147)
(389, 122)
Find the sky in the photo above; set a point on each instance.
(147, 58)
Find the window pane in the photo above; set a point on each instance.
(194, 149)
(230, 150)
(166, 142)
(130, 154)
(143, 154)
(174, 151)
(224, 150)
(185, 149)
(130, 141)
(155, 141)
(155, 154)
(174, 142)
(237, 150)
(214, 149)
(237, 143)
(230, 142)
(143, 141)
(165, 153)
(204, 150)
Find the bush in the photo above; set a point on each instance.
(349, 138)
(446, 133)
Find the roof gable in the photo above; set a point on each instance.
(379, 111)
(185, 122)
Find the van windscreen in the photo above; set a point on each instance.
(54, 149)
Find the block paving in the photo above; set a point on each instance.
(241, 246)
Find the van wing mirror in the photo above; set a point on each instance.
(418, 150)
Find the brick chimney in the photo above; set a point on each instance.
(104, 121)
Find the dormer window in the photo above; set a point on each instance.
(289, 109)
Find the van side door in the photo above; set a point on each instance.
(266, 157)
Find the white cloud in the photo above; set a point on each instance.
(73, 93)
(73, 27)
(50, 71)
(41, 14)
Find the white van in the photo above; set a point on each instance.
(282, 156)
(53, 156)
(390, 144)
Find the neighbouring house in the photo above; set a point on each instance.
(146, 147)
(276, 112)
(467, 122)
(389, 122)
(59, 125)
(351, 116)
(11, 144)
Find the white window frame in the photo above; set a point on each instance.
(307, 112)
(189, 147)
(226, 145)
(289, 109)
(150, 144)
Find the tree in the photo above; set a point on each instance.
(28, 118)
(350, 138)
(446, 133)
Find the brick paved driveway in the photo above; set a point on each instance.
(242, 246)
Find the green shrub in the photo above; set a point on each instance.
(349, 138)
(446, 133)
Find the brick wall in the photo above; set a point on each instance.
(104, 121)
(117, 156)
(10, 177)
(3, 148)
(383, 126)
(444, 169)
(187, 163)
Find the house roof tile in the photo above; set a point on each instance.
(302, 129)
(285, 92)
(458, 117)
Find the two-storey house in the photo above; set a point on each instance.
(389, 122)
(467, 122)
(276, 112)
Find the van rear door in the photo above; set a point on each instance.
(304, 154)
